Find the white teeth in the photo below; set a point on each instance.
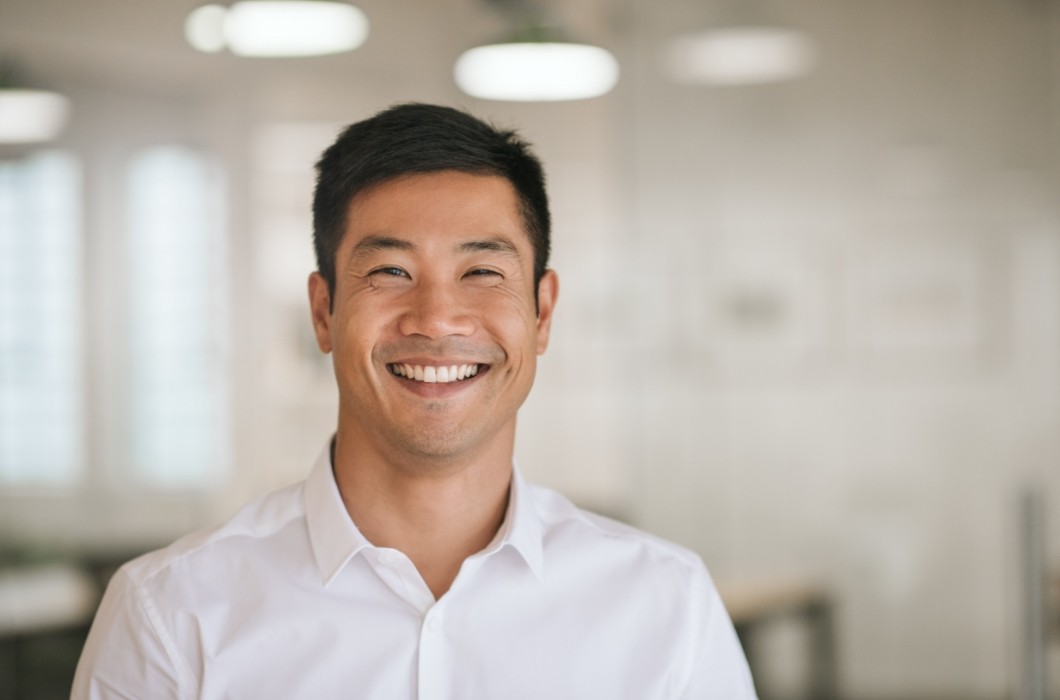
(435, 375)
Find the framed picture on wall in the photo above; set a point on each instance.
(760, 304)
(925, 301)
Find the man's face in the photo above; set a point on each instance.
(433, 327)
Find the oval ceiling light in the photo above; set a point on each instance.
(31, 116)
(277, 28)
(536, 71)
(740, 56)
(205, 28)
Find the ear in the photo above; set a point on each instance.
(320, 309)
(547, 293)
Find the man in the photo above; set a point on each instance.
(414, 562)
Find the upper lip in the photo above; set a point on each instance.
(434, 362)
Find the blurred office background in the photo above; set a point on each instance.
(809, 327)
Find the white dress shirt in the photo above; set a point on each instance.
(288, 600)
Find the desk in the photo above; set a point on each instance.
(754, 605)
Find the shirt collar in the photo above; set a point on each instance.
(335, 538)
(332, 533)
(522, 528)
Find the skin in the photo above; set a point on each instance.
(433, 269)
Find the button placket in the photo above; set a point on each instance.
(434, 622)
(434, 665)
(398, 573)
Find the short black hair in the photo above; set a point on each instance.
(416, 138)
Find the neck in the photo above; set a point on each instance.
(437, 512)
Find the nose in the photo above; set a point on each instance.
(435, 311)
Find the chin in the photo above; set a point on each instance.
(438, 444)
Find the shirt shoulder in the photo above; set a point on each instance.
(621, 575)
(558, 512)
(255, 522)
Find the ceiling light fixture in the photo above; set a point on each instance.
(744, 45)
(740, 56)
(29, 115)
(535, 64)
(277, 28)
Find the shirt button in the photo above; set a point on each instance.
(433, 624)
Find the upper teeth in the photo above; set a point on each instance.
(434, 375)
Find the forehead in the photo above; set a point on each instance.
(438, 203)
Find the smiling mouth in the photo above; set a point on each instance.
(435, 375)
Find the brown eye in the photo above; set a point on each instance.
(389, 272)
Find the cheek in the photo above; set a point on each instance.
(517, 331)
(356, 333)
(511, 305)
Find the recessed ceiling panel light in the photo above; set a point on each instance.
(536, 71)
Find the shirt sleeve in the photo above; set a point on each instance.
(128, 655)
(719, 668)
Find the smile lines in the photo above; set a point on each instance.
(434, 375)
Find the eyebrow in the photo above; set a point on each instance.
(373, 244)
(491, 245)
